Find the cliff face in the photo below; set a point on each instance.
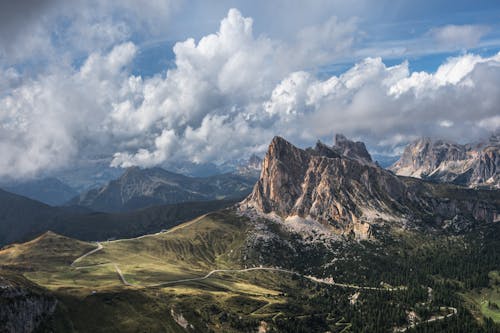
(323, 184)
(347, 193)
(22, 308)
(470, 165)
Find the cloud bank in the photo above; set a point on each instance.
(228, 94)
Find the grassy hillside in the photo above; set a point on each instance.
(224, 302)
(190, 250)
(159, 282)
(47, 250)
(486, 300)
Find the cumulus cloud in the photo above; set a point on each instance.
(206, 97)
(220, 86)
(45, 123)
(228, 94)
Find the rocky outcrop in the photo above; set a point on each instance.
(344, 191)
(443, 161)
(22, 308)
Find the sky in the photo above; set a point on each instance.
(146, 84)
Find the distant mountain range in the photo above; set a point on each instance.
(139, 188)
(250, 168)
(51, 191)
(471, 165)
(22, 218)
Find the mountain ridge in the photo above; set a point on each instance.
(473, 165)
(22, 218)
(51, 191)
(348, 194)
(140, 188)
(231, 271)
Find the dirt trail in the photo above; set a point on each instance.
(453, 311)
(99, 247)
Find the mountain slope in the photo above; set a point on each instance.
(168, 282)
(47, 190)
(346, 194)
(443, 161)
(139, 188)
(22, 219)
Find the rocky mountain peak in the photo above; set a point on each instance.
(352, 149)
(342, 195)
(445, 161)
(251, 167)
(321, 184)
(322, 149)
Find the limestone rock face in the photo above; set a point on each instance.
(322, 184)
(443, 161)
(346, 193)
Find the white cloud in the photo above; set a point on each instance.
(45, 123)
(228, 95)
(60, 31)
(385, 105)
(459, 36)
(446, 123)
(217, 83)
(455, 71)
(490, 123)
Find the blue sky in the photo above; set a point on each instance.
(164, 81)
(385, 25)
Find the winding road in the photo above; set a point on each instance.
(98, 248)
(431, 319)
(215, 271)
(261, 268)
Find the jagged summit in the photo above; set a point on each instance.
(324, 185)
(345, 194)
(250, 167)
(353, 149)
(445, 161)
